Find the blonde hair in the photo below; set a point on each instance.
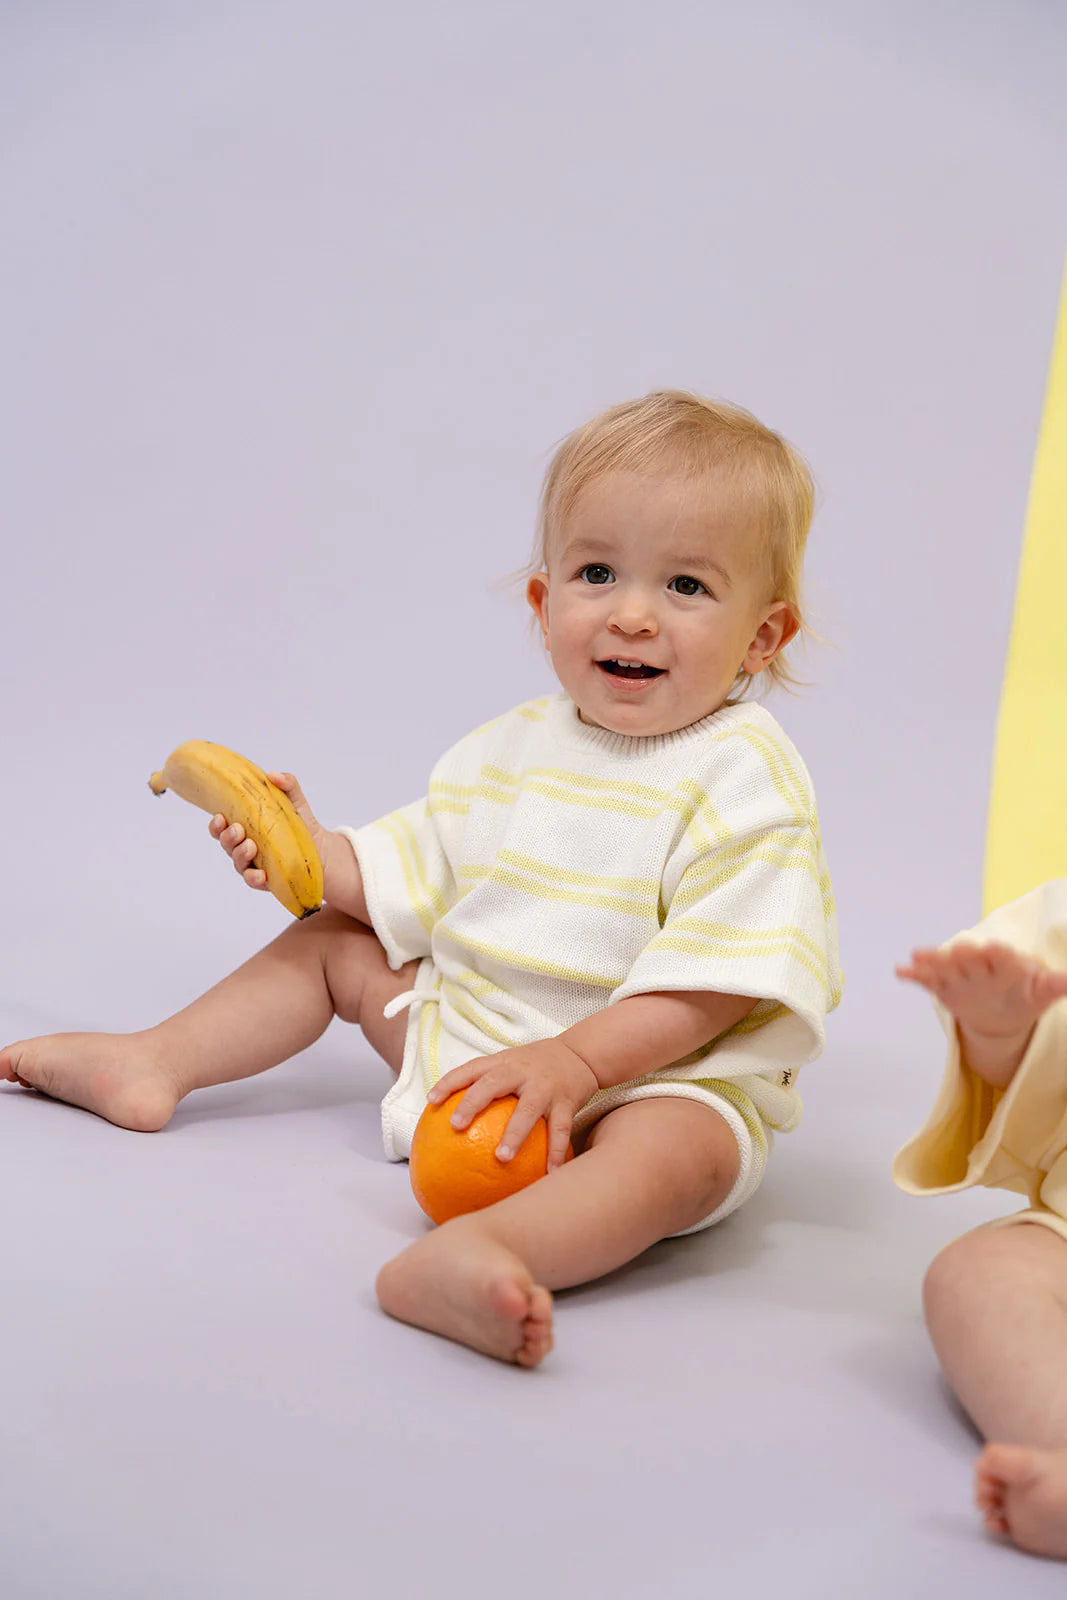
(679, 432)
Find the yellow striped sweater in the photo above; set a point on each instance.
(555, 868)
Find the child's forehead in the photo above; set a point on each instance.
(701, 513)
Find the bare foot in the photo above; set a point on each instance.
(117, 1075)
(1022, 1493)
(461, 1282)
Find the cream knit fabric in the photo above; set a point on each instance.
(1013, 1138)
(556, 868)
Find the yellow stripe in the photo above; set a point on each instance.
(539, 890)
(532, 710)
(691, 803)
(784, 775)
(701, 877)
(583, 780)
(718, 952)
(732, 933)
(695, 808)
(759, 1018)
(1026, 841)
(460, 1001)
(596, 880)
(740, 1102)
(711, 941)
(527, 963)
(425, 899)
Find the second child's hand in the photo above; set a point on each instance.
(995, 993)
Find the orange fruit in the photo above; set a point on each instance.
(454, 1171)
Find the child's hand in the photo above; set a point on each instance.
(551, 1081)
(992, 990)
(242, 851)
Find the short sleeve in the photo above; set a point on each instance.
(407, 879)
(750, 914)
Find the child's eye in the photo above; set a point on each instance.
(595, 573)
(692, 585)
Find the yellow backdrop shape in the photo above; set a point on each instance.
(1026, 841)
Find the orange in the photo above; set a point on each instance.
(455, 1171)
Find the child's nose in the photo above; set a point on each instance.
(633, 613)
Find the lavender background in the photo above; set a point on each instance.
(296, 300)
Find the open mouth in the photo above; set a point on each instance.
(629, 669)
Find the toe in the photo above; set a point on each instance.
(1008, 1463)
(509, 1299)
(540, 1305)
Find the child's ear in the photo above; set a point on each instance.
(780, 624)
(537, 595)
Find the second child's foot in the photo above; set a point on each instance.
(116, 1075)
(461, 1282)
(1022, 1494)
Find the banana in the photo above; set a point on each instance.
(219, 780)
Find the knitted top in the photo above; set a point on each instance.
(555, 868)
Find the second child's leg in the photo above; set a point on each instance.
(271, 1008)
(996, 1307)
(650, 1168)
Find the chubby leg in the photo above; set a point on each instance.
(650, 1168)
(275, 1005)
(996, 1307)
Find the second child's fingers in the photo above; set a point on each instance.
(255, 877)
(1049, 985)
(968, 962)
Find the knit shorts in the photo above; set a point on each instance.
(432, 1048)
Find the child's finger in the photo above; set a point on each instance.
(480, 1094)
(913, 975)
(217, 825)
(255, 878)
(967, 962)
(1049, 986)
(529, 1111)
(560, 1122)
(929, 962)
(288, 784)
(231, 837)
(453, 1081)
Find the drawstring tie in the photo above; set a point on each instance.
(417, 996)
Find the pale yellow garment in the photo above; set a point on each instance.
(1013, 1138)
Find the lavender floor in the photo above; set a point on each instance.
(201, 1396)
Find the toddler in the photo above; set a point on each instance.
(996, 1299)
(612, 902)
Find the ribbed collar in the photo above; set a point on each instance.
(561, 713)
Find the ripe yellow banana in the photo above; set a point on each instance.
(219, 780)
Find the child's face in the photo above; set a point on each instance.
(655, 571)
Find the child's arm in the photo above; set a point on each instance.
(342, 880)
(647, 1031)
(995, 993)
(553, 1078)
